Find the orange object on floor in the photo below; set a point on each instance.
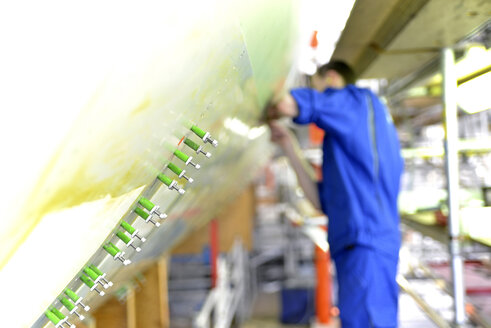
(323, 302)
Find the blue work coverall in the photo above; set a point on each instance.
(361, 169)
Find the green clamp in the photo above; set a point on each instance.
(97, 278)
(197, 148)
(62, 319)
(142, 213)
(116, 253)
(179, 172)
(186, 159)
(146, 203)
(66, 303)
(205, 136)
(52, 317)
(89, 283)
(127, 240)
(94, 276)
(145, 216)
(58, 313)
(170, 183)
(132, 231)
(101, 275)
(96, 270)
(111, 250)
(75, 298)
(151, 207)
(71, 307)
(200, 133)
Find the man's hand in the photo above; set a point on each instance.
(280, 135)
(287, 106)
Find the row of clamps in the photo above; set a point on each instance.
(181, 173)
(152, 209)
(130, 241)
(94, 278)
(148, 210)
(72, 302)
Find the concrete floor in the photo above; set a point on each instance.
(266, 313)
(267, 323)
(411, 316)
(272, 323)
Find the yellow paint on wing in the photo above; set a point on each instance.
(81, 189)
(145, 104)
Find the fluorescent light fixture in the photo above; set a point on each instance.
(473, 95)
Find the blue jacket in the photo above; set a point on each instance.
(361, 168)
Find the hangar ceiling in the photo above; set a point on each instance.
(394, 38)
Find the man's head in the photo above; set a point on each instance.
(335, 74)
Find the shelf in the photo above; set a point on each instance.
(467, 146)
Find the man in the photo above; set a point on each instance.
(361, 170)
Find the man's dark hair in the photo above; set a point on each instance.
(341, 68)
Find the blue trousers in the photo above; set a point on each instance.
(367, 288)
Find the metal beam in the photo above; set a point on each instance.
(452, 172)
(401, 15)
